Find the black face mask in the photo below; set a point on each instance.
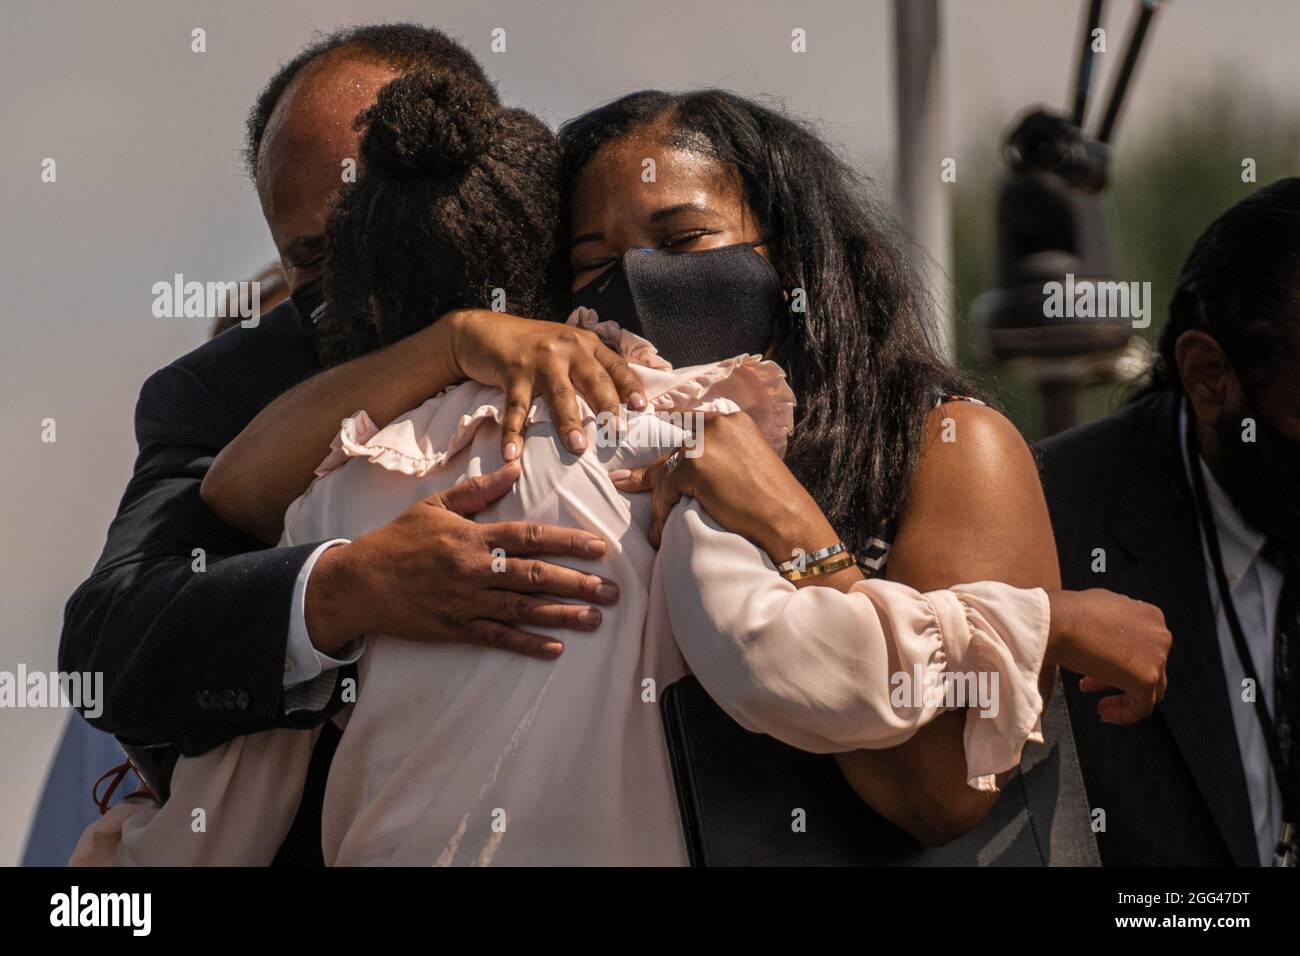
(309, 300)
(1262, 477)
(694, 307)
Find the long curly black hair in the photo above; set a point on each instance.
(859, 359)
(457, 205)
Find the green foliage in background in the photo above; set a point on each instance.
(1169, 181)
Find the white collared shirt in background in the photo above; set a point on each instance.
(1256, 588)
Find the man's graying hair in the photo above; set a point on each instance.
(403, 46)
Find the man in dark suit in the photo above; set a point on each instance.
(1189, 498)
(202, 633)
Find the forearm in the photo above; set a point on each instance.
(819, 669)
(801, 527)
(272, 461)
(921, 785)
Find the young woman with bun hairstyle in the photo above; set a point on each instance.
(458, 198)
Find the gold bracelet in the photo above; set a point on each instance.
(828, 567)
(804, 560)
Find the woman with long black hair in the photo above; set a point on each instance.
(921, 483)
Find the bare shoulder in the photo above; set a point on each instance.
(971, 433)
(972, 440)
(975, 508)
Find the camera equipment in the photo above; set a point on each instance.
(1052, 228)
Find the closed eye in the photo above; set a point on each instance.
(681, 240)
(592, 265)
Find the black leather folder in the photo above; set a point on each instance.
(738, 792)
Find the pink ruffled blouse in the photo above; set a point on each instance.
(460, 755)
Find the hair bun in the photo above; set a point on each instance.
(432, 124)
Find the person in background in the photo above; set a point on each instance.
(1189, 498)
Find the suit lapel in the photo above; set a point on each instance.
(1155, 525)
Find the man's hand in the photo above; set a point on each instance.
(1115, 642)
(427, 576)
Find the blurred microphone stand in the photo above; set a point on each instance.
(1052, 224)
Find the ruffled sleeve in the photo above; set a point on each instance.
(425, 438)
(827, 671)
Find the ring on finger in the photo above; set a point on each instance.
(673, 461)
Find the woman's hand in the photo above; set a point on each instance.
(1115, 642)
(741, 482)
(273, 460)
(529, 357)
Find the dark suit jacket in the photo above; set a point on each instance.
(194, 658)
(1172, 787)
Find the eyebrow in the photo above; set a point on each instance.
(680, 207)
(657, 216)
(586, 237)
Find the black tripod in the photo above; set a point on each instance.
(1052, 225)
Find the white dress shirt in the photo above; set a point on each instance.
(1256, 588)
(309, 674)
